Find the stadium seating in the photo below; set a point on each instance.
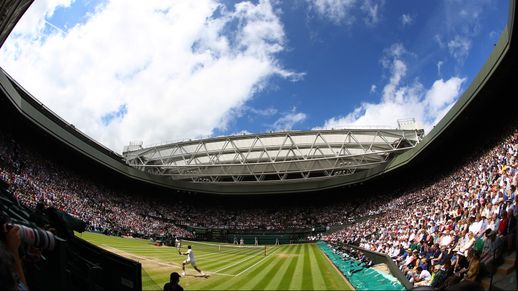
(452, 214)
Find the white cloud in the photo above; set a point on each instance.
(344, 12)
(439, 41)
(407, 19)
(395, 51)
(338, 11)
(149, 70)
(400, 101)
(440, 96)
(373, 89)
(462, 23)
(290, 75)
(459, 47)
(34, 19)
(439, 66)
(287, 121)
(372, 11)
(242, 132)
(270, 111)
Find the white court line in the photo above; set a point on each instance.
(140, 257)
(159, 262)
(214, 254)
(217, 253)
(150, 249)
(247, 259)
(171, 251)
(204, 255)
(257, 262)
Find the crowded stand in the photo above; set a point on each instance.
(455, 228)
(447, 229)
(37, 180)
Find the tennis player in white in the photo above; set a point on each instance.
(190, 260)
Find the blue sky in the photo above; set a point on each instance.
(123, 71)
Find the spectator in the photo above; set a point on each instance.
(422, 278)
(442, 275)
(502, 226)
(474, 266)
(492, 251)
(174, 283)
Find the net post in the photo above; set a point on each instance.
(265, 251)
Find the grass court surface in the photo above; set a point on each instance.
(285, 267)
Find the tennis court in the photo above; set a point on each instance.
(285, 267)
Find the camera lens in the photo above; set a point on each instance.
(37, 237)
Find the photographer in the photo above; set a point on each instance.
(10, 242)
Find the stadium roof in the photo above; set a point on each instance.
(280, 157)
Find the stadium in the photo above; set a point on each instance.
(321, 209)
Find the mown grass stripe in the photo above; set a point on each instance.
(289, 256)
(307, 276)
(234, 263)
(326, 271)
(270, 275)
(227, 259)
(285, 268)
(342, 276)
(298, 274)
(216, 284)
(288, 276)
(265, 276)
(251, 274)
(236, 269)
(221, 260)
(154, 279)
(216, 263)
(244, 253)
(260, 261)
(316, 272)
(212, 283)
(148, 281)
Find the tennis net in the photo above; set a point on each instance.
(224, 248)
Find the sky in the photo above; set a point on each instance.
(165, 71)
